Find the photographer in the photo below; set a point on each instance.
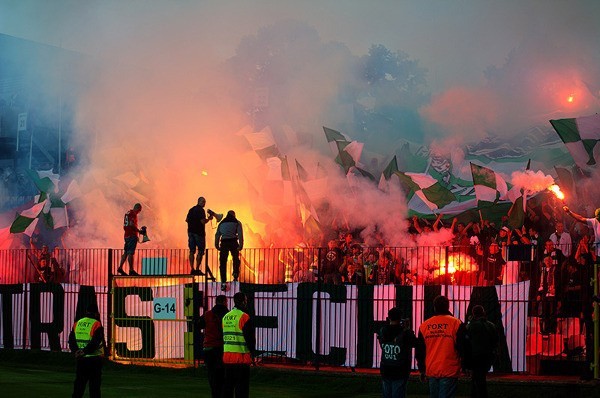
(397, 341)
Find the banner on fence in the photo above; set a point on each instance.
(332, 324)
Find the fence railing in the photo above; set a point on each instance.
(310, 305)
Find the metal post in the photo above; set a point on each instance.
(60, 133)
(445, 275)
(30, 147)
(596, 323)
(318, 320)
(109, 306)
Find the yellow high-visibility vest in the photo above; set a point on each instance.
(235, 349)
(84, 330)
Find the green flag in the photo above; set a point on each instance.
(580, 136)
(516, 214)
(489, 186)
(27, 219)
(431, 192)
(44, 180)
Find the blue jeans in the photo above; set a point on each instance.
(394, 388)
(442, 387)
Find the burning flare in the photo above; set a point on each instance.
(557, 192)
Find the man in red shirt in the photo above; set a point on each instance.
(130, 226)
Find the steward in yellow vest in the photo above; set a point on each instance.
(238, 348)
(86, 340)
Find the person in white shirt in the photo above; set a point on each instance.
(562, 239)
(593, 223)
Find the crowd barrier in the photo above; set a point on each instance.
(152, 317)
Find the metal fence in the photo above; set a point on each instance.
(309, 306)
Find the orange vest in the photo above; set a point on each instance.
(441, 356)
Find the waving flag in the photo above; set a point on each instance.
(263, 143)
(27, 220)
(386, 174)
(347, 153)
(428, 189)
(489, 186)
(45, 180)
(580, 136)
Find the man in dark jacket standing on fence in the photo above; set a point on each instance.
(479, 347)
(229, 239)
(196, 221)
(86, 341)
(212, 323)
(397, 341)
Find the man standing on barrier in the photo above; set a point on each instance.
(212, 323)
(229, 239)
(397, 340)
(196, 221)
(130, 226)
(86, 341)
(438, 350)
(239, 342)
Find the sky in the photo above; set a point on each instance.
(455, 40)
(167, 107)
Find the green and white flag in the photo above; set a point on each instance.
(333, 135)
(386, 174)
(27, 220)
(263, 143)
(489, 186)
(580, 136)
(428, 189)
(44, 180)
(347, 153)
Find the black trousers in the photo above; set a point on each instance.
(479, 369)
(237, 381)
(229, 246)
(88, 370)
(213, 359)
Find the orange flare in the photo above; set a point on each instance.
(557, 192)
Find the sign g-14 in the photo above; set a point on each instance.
(164, 308)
